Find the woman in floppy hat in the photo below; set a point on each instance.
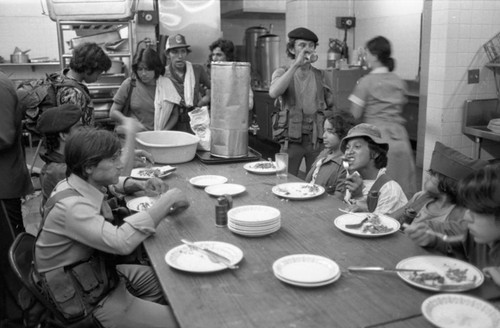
(370, 188)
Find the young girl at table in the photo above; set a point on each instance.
(436, 206)
(479, 193)
(368, 188)
(327, 170)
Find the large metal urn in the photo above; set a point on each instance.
(268, 57)
(251, 35)
(229, 109)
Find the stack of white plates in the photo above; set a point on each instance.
(254, 220)
(494, 125)
(306, 270)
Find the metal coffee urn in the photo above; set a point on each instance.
(251, 35)
(267, 57)
(229, 109)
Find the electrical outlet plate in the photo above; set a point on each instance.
(345, 22)
(473, 76)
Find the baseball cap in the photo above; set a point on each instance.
(176, 41)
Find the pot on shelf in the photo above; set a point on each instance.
(19, 57)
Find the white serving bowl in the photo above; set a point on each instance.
(168, 147)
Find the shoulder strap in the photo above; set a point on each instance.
(373, 194)
(416, 205)
(66, 83)
(51, 202)
(126, 107)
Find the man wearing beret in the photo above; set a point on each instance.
(56, 124)
(304, 97)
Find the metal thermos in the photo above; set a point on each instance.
(251, 35)
(229, 109)
(268, 57)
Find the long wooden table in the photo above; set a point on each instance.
(251, 296)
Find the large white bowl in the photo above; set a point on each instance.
(168, 147)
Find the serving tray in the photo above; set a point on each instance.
(207, 158)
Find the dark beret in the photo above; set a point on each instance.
(58, 119)
(304, 34)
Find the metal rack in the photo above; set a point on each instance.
(103, 90)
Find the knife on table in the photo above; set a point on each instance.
(211, 254)
(381, 269)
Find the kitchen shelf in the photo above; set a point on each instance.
(32, 65)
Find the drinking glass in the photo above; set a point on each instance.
(281, 160)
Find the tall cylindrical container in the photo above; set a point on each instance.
(268, 57)
(251, 35)
(229, 109)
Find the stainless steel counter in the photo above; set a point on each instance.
(477, 114)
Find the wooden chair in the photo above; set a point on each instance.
(21, 259)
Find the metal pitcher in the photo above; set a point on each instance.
(229, 109)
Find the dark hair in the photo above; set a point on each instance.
(342, 122)
(87, 147)
(291, 45)
(89, 58)
(381, 47)
(446, 185)
(151, 59)
(480, 191)
(51, 140)
(380, 151)
(226, 46)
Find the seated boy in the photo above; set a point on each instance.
(370, 188)
(73, 248)
(479, 193)
(327, 170)
(436, 206)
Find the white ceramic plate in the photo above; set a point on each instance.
(460, 311)
(306, 268)
(448, 268)
(391, 225)
(203, 181)
(225, 189)
(298, 190)
(140, 204)
(254, 233)
(147, 173)
(253, 215)
(310, 285)
(185, 258)
(262, 167)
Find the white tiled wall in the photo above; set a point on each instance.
(453, 37)
(22, 25)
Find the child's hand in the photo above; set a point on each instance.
(354, 183)
(493, 273)
(155, 187)
(418, 233)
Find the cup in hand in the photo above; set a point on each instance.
(281, 160)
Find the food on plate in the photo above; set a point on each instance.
(143, 206)
(374, 225)
(302, 190)
(427, 278)
(154, 172)
(264, 165)
(150, 173)
(457, 275)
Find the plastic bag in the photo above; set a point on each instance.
(200, 124)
